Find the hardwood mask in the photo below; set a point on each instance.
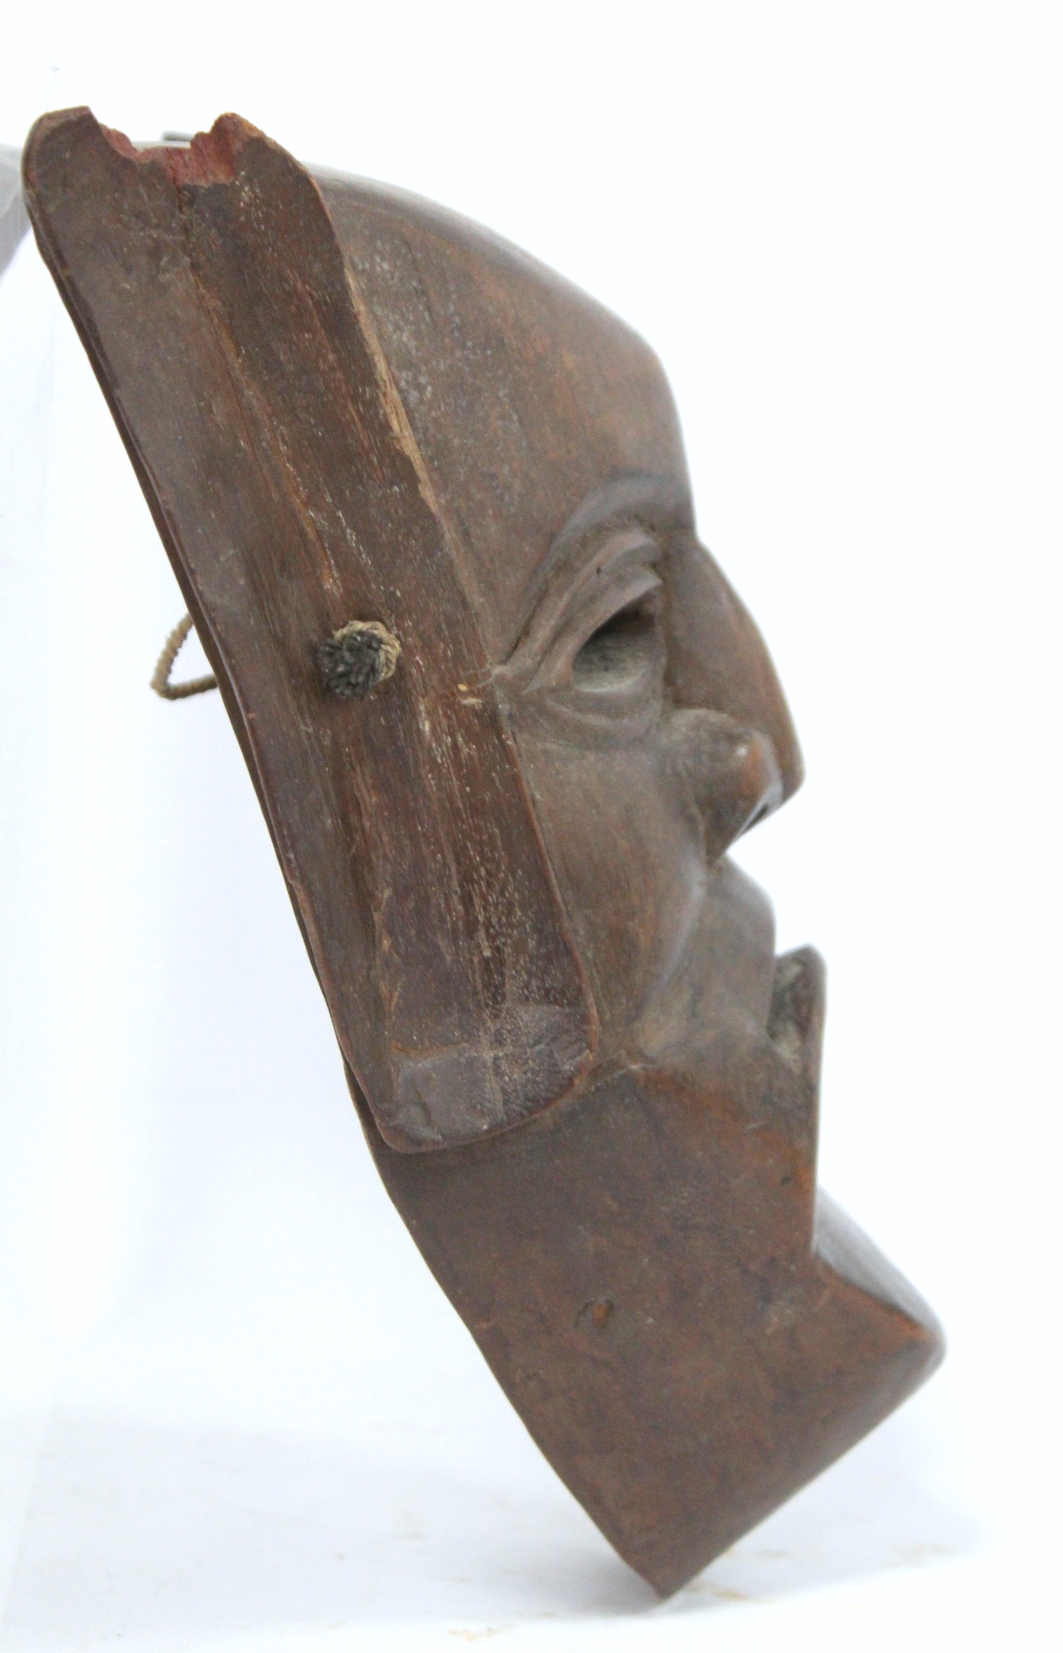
(590, 1085)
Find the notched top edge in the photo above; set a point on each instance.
(211, 157)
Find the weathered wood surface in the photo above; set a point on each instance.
(509, 860)
(279, 464)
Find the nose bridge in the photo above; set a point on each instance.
(729, 771)
(717, 659)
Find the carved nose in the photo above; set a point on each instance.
(729, 770)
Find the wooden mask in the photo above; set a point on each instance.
(429, 508)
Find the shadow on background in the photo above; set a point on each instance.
(174, 1535)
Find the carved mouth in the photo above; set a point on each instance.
(796, 1014)
(731, 1005)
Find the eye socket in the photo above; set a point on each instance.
(589, 669)
(620, 650)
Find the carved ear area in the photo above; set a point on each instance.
(262, 418)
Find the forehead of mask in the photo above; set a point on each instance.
(523, 394)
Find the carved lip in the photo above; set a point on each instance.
(731, 996)
(795, 1018)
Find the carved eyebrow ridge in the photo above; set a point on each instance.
(617, 560)
(660, 505)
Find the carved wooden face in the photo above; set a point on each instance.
(356, 416)
(650, 724)
(350, 407)
(640, 789)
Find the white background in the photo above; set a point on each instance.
(236, 1411)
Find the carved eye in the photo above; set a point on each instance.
(590, 667)
(622, 649)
